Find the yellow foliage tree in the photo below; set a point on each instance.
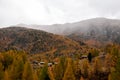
(85, 68)
(51, 74)
(97, 66)
(28, 72)
(16, 69)
(60, 68)
(6, 76)
(35, 76)
(1, 71)
(69, 75)
(81, 78)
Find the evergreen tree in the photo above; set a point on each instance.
(69, 75)
(27, 72)
(84, 69)
(76, 69)
(97, 66)
(90, 57)
(7, 60)
(35, 76)
(50, 73)
(115, 74)
(97, 69)
(44, 73)
(81, 78)
(1, 71)
(16, 69)
(60, 68)
(6, 75)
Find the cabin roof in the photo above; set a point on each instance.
(42, 62)
(84, 56)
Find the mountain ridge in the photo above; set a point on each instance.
(103, 30)
(33, 41)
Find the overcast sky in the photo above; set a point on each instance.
(55, 11)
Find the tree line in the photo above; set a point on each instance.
(15, 65)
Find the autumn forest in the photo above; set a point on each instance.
(30, 54)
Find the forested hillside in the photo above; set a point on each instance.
(34, 41)
(15, 65)
(29, 54)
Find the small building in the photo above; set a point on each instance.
(50, 64)
(83, 57)
(41, 64)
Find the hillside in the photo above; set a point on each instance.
(34, 41)
(92, 31)
(59, 57)
(98, 30)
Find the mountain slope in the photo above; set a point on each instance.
(102, 30)
(99, 29)
(33, 41)
(92, 31)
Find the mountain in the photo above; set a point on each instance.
(96, 31)
(92, 31)
(34, 41)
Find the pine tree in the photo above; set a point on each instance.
(90, 57)
(81, 78)
(7, 60)
(115, 73)
(6, 75)
(85, 67)
(60, 68)
(16, 69)
(44, 73)
(35, 76)
(50, 73)
(109, 77)
(76, 69)
(27, 72)
(69, 75)
(1, 71)
(97, 69)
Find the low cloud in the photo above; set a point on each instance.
(55, 11)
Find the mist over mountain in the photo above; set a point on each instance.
(82, 25)
(96, 29)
